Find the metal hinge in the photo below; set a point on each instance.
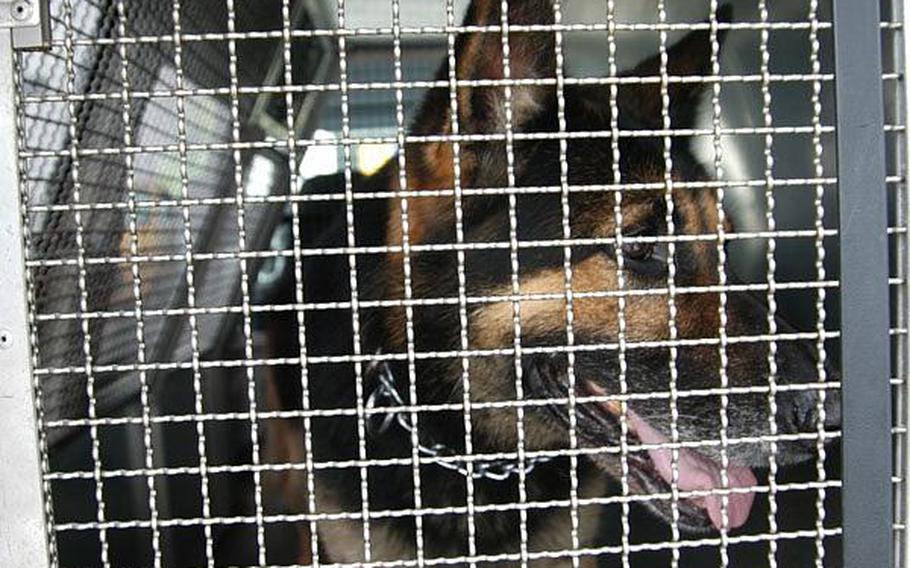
(27, 21)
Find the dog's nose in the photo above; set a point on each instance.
(806, 410)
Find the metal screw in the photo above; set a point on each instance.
(6, 339)
(21, 10)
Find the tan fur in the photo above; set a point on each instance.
(343, 539)
(645, 317)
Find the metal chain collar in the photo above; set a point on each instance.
(386, 395)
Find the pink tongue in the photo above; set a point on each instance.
(698, 473)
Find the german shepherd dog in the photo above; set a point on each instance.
(483, 318)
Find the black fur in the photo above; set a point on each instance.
(330, 332)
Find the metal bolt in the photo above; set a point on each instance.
(21, 10)
(6, 339)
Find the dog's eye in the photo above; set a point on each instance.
(646, 258)
(638, 250)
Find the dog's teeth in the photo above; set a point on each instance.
(614, 407)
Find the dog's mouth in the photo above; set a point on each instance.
(652, 469)
(695, 472)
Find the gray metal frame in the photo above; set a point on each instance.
(22, 520)
(897, 102)
(902, 203)
(865, 343)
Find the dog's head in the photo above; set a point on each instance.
(643, 316)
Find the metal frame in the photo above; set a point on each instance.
(897, 97)
(28, 22)
(897, 102)
(22, 518)
(865, 343)
(901, 48)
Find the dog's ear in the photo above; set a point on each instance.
(480, 56)
(479, 62)
(690, 56)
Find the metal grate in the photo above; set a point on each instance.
(587, 313)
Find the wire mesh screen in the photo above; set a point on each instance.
(426, 283)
